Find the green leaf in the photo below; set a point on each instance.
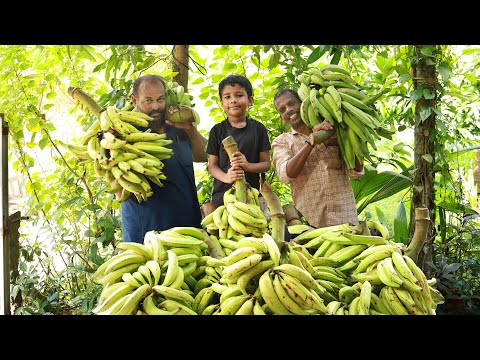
(400, 225)
(317, 54)
(427, 50)
(457, 208)
(425, 113)
(35, 186)
(381, 216)
(85, 51)
(198, 80)
(444, 72)
(374, 186)
(428, 158)
(427, 94)
(93, 207)
(471, 77)
(415, 95)
(274, 60)
(404, 77)
(43, 142)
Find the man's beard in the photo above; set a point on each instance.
(158, 116)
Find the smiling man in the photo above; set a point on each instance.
(175, 203)
(316, 173)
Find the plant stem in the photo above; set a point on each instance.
(240, 186)
(422, 223)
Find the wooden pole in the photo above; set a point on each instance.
(4, 247)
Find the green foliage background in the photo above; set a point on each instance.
(68, 206)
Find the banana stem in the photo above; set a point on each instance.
(291, 215)
(214, 249)
(422, 223)
(81, 96)
(240, 186)
(277, 215)
(318, 137)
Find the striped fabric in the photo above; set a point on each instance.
(322, 192)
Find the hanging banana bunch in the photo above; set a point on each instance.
(331, 93)
(124, 156)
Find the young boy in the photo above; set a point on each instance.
(253, 155)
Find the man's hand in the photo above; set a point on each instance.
(186, 123)
(326, 126)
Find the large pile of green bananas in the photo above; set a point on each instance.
(331, 93)
(338, 270)
(125, 157)
(378, 277)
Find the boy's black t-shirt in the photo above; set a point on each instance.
(251, 140)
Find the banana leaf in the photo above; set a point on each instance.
(400, 225)
(375, 186)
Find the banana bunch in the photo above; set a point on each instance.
(288, 289)
(124, 156)
(122, 290)
(175, 95)
(394, 283)
(219, 299)
(173, 272)
(156, 276)
(351, 239)
(235, 218)
(331, 93)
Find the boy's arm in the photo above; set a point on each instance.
(234, 173)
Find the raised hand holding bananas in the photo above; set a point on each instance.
(330, 92)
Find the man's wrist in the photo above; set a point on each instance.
(309, 143)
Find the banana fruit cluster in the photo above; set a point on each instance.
(174, 273)
(331, 93)
(235, 218)
(176, 96)
(151, 277)
(370, 276)
(124, 156)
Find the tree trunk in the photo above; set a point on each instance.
(180, 65)
(424, 78)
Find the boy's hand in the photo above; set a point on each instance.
(233, 174)
(239, 160)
